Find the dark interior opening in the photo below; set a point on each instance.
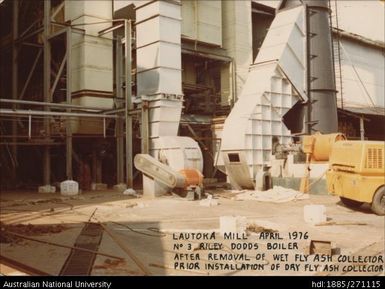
(234, 158)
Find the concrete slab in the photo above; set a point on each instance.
(149, 230)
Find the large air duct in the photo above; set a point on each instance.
(159, 82)
(322, 109)
(320, 112)
(294, 66)
(159, 64)
(91, 59)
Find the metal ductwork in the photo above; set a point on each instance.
(159, 64)
(159, 82)
(322, 87)
(294, 66)
(320, 68)
(91, 60)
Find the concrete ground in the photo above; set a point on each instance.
(148, 236)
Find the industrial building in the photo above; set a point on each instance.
(181, 96)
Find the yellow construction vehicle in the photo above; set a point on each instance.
(356, 169)
(357, 173)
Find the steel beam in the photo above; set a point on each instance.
(69, 100)
(15, 31)
(145, 127)
(24, 112)
(129, 105)
(308, 107)
(33, 33)
(29, 28)
(119, 122)
(57, 33)
(51, 104)
(362, 128)
(30, 73)
(57, 10)
(47, 88)
(59, 73)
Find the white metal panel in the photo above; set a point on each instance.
(91, 61)
(164, 117)
(188, 19)
(362, 75)
(269, 92)
(210, 21)
(178, 152)
(163, 8)
(158, 33)
(237, 39)
(91, 64)
(285, 41)
(159, 52)
(202, 20)
(159, 80)
(158, 29)
(149, 54)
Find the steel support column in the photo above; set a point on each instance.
(119, 121)
(362, 128)
(308, 105)
(47, 89)
(69, 100)
(15, 28)
(30, 74)
(129, 105)
(145, 127)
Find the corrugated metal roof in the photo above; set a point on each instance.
(366, 110)
(360, 38)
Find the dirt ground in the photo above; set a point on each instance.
(155, 236)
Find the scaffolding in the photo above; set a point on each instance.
(20, 110)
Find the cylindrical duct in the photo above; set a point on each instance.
(321, 110)
(323, 145)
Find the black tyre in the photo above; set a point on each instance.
(378, 204)
(350, 203)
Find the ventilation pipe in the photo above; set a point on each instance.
(159, 68)
(294, 65)
(159, 83)
(91, 59)
(322, 106)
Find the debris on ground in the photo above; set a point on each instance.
(117, 267)
(140, 206)
(30, 230)
(209, 201)
(131, 192)
(253, 228)
(131, 205)
(275, 195)
(110, 264)
(320, 247)
(329, 223)
(7, 238)
(120, 187)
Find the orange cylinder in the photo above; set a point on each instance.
(323, 144)
(193, 177)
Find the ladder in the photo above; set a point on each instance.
(336, 49)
